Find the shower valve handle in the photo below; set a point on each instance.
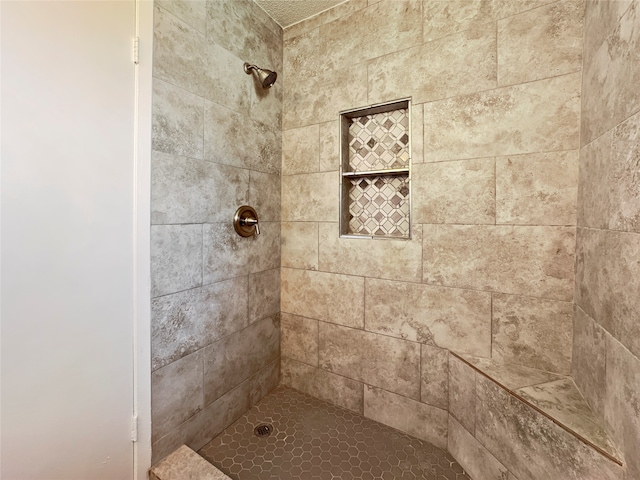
(245, 221)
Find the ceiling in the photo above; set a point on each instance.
(288, 12)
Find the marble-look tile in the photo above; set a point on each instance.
(178, 120)
(624, 176)
(511, 376)
(300, 150)
(323, 296)
(264, 294)
(462, 393)
(532, 117)
(265, 252)
(461, 192)
(531, 445)
(300, 245)
(224, 81)
(206, 424)
(537, 189)
(622, 403)
(445, 18)
(522, 260)
(310, 197)
(237, 357)
(434, 376)
(301, 59)
(266, 104)
(339, 11)
(225, 253)
(184, 322)
(471, 454)
(327, 386)
(607, 283)
(192, 12)
(384, 362)
(594, 195)
(541, 43)
(329, 146)
(563, 401)
(450, 318)
(454, 65)
(233, 139)
(600, 19)
(534, 332)
(378, 258)
(611, 73)
(265, 380)
(589, 359)
(299, 338)
(417, 134)
(192, 191)
(176, 258)
(264, 195)
(176, 394)
(182, 463)
(409, 416)
(178, 52)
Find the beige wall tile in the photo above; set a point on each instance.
(434, 376)
(541, 43)
(327, 16)
(384, 362)
(300, 150)
(534, 332)
(462, 192)
(193, 12)
(535, 261)
(471, 454)
(462, 393)
(225, 253)
(623, 176)
(533, 117)
(263, 381)
(454, 65)
(299, 338)
(300, 245)
(537, 189)
(264, 195)
(601, 18)
(414, 418)
(265, 248)
(327, 386)
(459, 320)
(417, 134)
(176, 258)
(264, 294)
(380, 258)
(329, 146)
(224, 80)
(301, 59)
(594, 197)
(323, 296)
(310, 197)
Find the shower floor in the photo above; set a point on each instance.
(312, 439)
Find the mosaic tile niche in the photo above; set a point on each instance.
(375, 171)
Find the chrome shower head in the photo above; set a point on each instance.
(267, 77)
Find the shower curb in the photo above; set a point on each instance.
(185, 464)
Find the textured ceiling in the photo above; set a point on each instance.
(288, 12)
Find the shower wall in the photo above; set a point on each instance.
(216, 146)
(489, 271)
(606, 363)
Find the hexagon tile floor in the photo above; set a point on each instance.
(312, 439)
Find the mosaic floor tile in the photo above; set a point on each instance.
(314, 440)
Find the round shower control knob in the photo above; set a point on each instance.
(245, 221)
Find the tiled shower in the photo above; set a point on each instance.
(518, 287)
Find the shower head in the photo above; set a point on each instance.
(267, 77)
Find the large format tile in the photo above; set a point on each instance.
(264, 381)
(330, 146)
(537, 189)
(540, 43)
(532, 117)
(264, 195)
(185, 462)
(462, 192)
(300, 245)
(379, 258)
(300, 150)
(326, 16)
(454, 65)
(265, 252)
(237, 357)
(534, 332)
(176, 258)
(310, 197)
(299, 338)
(607, 283)
(462, 393)
(225, 253)
(594, 189)
(323, 296)
(531, 445)
(459, 320)
(192, 12)
(264, 294)
(327, 386)
(178, 120)
(225, 82)
(434, 376)
(176, 394)
(600, 19)
(534, 261)
(384, 362)
(409, 416)
(187, 321)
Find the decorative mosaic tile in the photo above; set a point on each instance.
(379, 206)
(379, 141)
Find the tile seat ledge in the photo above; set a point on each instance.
(185, 464)
(532, 386)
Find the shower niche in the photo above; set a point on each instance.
(375, 171)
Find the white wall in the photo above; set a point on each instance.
(68, 212)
